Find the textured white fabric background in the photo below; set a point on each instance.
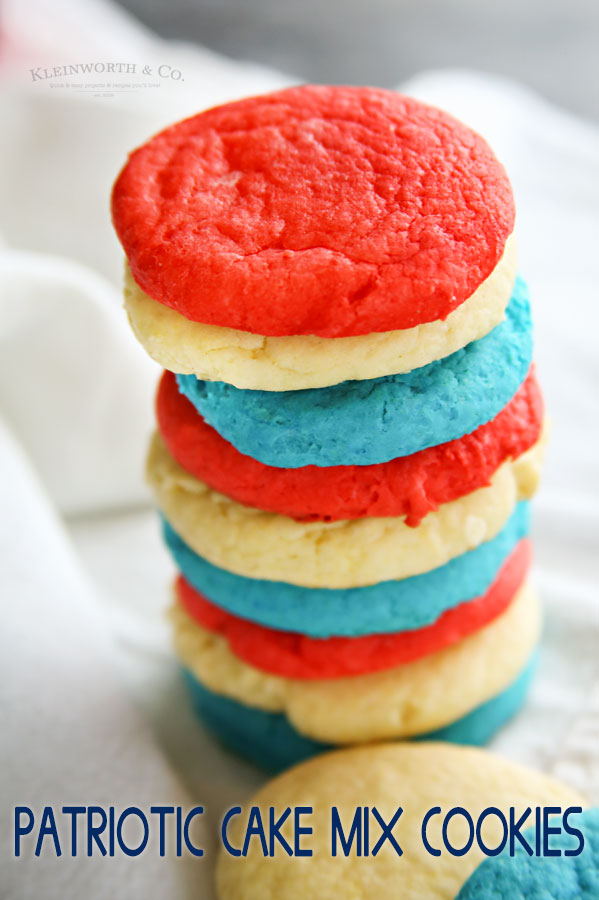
(91, 705)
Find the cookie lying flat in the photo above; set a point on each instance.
(356, 209)
(297, 362)
(271, 742)
(417, 778)
(559, 877)
(294, 655)
(342, 554)
(409, 486)
(404, 701)
(373, 421)
(389, 606)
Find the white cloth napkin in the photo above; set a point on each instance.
(69, 733)
(90, 700)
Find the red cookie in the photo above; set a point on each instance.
(297, 656)
(410, 486)
(330, 211)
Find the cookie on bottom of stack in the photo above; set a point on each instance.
(463, 693)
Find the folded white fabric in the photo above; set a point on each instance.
(69, 733)
(71, 384)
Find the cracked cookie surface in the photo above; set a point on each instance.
(328, 211)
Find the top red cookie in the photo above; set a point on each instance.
(315, 210)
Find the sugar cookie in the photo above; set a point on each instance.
(342, 554)
(417, 778)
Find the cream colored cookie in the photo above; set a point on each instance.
(290, 363)
(348, 553)
(415, 777)
(410, 699)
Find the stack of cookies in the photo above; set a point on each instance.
(349, 427)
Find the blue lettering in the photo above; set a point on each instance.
(491, 811)
(132, 811)
(20, 829)
(354, 832)
(234, 811)
(48, 828)
(196, 811)
(274, 828)
(515, 831)
(300, 830)
(162, 812)
(458, 811)
(94, 831)
(254, 829)
(386, 829)
(434, 811)
(548, 830)
(575, 832)
(73, 811)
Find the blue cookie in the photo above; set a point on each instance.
(389, 606)
(524, 877)
(271, 742)
(367, 422)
